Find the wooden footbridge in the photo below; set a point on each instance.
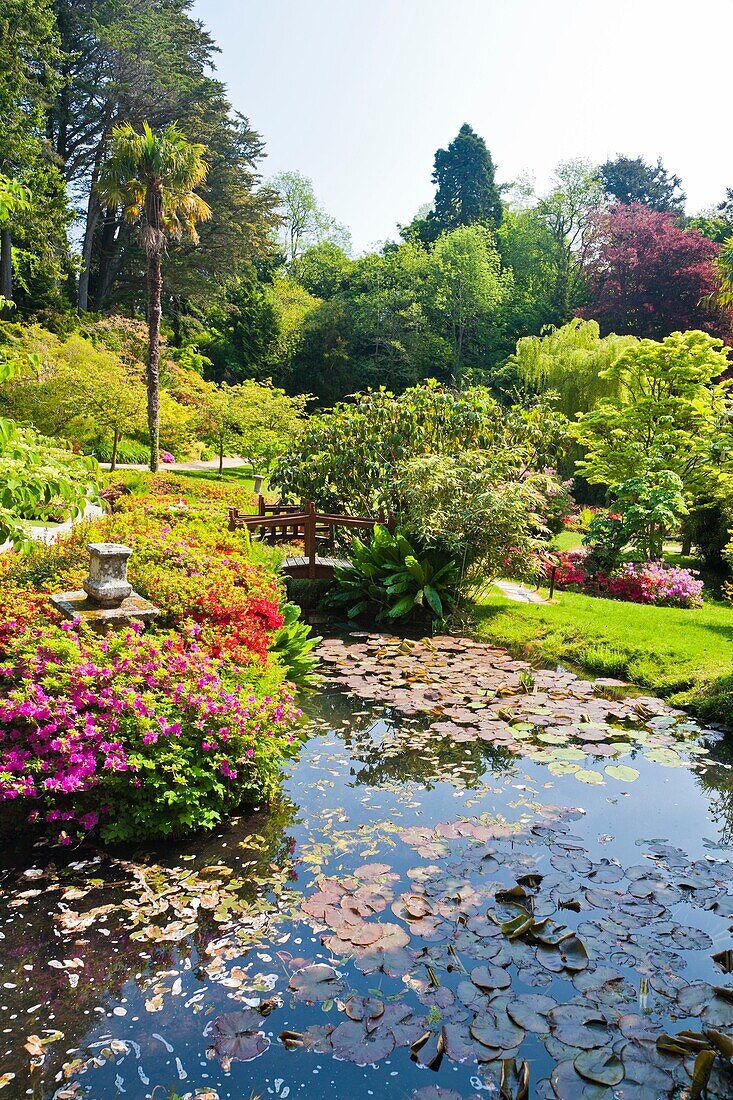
(302, 523)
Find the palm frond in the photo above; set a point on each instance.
(151, 177)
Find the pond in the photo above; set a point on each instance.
(482, 880)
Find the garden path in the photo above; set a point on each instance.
(519, 592)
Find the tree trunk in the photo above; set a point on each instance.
(93, 212)
(6, 267)
(155, 287)
(221, 457)
(107, 266)
(115, 444)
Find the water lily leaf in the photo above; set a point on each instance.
(560, 768)
(496, 1031)
(316, 983)
(529, 1011)
(588, 775)
(429, 1049)
(552, 738)
(665, 756)
(601, 1067)
(574, 954)
(623, 772)
(237, 1036)
(701, 1074)
(353, 1042)
(686, 1042)
(364, 1008)
(693, 998)
(490, 977)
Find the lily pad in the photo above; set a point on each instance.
(600, 1067)
(316, 983)
(623, 772)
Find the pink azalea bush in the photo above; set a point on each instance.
(141, 735)
(654, 583)
(648, 582)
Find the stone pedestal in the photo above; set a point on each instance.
(107, 584)
(78, 605)
(107, 601)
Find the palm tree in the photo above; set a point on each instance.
(151, 177)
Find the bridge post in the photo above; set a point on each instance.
(310, 538)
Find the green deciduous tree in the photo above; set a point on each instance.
(666, 416)
(567, 212)
(468, 287)
(151, 178)
(304, 222)
(37, 477)
(253, 419)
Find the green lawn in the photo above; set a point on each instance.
(685, 656)
(237, 475)
(568, 540)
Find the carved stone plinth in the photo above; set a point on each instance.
(107, 583)
(74, 605)
(108, 601)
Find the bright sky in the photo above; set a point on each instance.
(358, 94)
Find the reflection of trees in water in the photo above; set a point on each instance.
(111, 958)
(394, 750)
(716, 780)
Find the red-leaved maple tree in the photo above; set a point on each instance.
(648, 276)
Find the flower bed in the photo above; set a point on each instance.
(636, 582)
(154, 733)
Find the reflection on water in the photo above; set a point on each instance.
(455, 862)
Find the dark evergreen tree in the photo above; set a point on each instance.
(466, 190)
(29, 61)
(628, 180)
(149, 61)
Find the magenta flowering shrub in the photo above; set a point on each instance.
(648, 582)
(141, 735)
(652, 582)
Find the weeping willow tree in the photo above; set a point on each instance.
(724, 265)
(151, 178)
(570, 361)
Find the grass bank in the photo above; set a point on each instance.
(685, 656)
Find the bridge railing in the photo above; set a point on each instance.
(294, 522)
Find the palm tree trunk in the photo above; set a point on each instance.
(155, 287)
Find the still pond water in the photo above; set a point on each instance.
(472, 863)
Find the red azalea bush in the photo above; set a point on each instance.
(643, 582)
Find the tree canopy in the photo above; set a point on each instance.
(627, 180)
